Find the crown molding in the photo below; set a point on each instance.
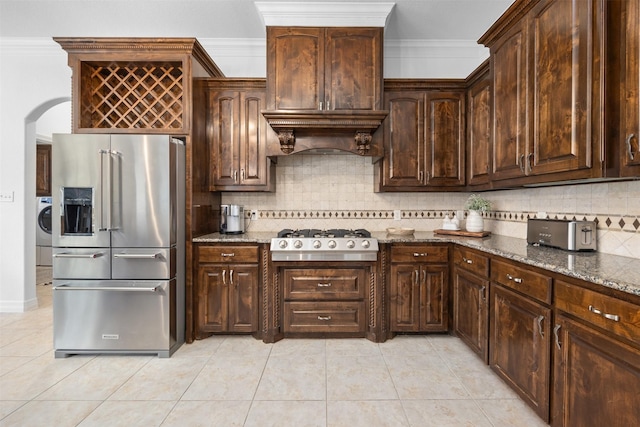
(324, 14)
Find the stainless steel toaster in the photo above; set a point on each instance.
(570, 235)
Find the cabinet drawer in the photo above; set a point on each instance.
(520, 278)
(420, 253)
(323, 284)
(471, 261)
(326, 317)
(228, 254)
(612, 314)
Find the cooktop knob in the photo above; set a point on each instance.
(331, 244)
(297, 244)
(351, 244)
(365, 244)
(317, 244)
(282, 244)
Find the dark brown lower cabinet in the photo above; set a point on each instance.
(471, 311)
(519, 346)
(228, 278)
(596, 378)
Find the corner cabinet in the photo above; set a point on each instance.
(520, 331)
(424, 137)
(237, 136)
(547, 79)
(335, 68)
(228, 278)
(596, 358)
(419, 290)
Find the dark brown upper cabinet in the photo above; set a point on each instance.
(479, 127)
(547, 77)
(424, 136)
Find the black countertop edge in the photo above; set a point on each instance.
(612, 271)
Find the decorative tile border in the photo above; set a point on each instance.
(603, 221)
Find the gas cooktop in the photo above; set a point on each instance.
(324, 245)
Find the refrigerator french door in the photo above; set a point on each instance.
(118, 243)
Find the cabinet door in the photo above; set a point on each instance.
(445, 138)
(295, 68)
(253, 139)
(43, 170)
(519, 346)
(470, 312)
(478, 133)
(404, 297)
(630, 132)
(243, 298)
(433, 312)
(564, 85)
(404, 134)
(596, 378)
(213, 299)
(224, 113)
(510, 135)
(353, 69)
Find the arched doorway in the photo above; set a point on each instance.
(53, 116)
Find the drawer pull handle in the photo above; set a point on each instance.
(613, 317)
(515, 279)
(227, 255)
(324, 285)
(555, 333)
(224, 277)
(416, 254)
(468, 261)
(540, 319)
(326, 318)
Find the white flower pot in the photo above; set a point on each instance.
(475, 222)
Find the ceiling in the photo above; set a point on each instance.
(228, 19)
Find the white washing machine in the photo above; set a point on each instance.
(43, 231)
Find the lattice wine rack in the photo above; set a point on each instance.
(132, 95)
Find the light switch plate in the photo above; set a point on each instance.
(397, 215)
(254, 215)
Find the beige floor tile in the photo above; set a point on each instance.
(35, 342)
(375, 413)
(510, 412)
(128, 414)
(161, 379)
(417, 380)
(287, 413)
(199, 348)
(444, 413)
(227, 378)
(50, 413)
(97, 379)
(351, 347)
(9, 363)
(31, 379)
(293, 378)
(8, 406)
(210, 413)
(359, 378)
(299, 346)
(244, 345)
(404, 345)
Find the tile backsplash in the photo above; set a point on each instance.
(337, 191)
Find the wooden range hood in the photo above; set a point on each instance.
(350, 130)
(325, 75)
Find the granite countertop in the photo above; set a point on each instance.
(612, 271)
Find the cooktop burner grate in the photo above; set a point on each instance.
(331, 233)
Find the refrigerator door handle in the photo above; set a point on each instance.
(112, 224)
(138, 256)
(68, 255)
(105, 204)
(66, 287)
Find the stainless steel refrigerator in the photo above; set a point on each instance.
(118, 243)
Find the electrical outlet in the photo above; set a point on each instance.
(397, 215)
(6, 196)
(254, 215)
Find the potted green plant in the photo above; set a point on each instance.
(476, 204)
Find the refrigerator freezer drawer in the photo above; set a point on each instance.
(114, 316)
(150, 263)
(81, 263)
